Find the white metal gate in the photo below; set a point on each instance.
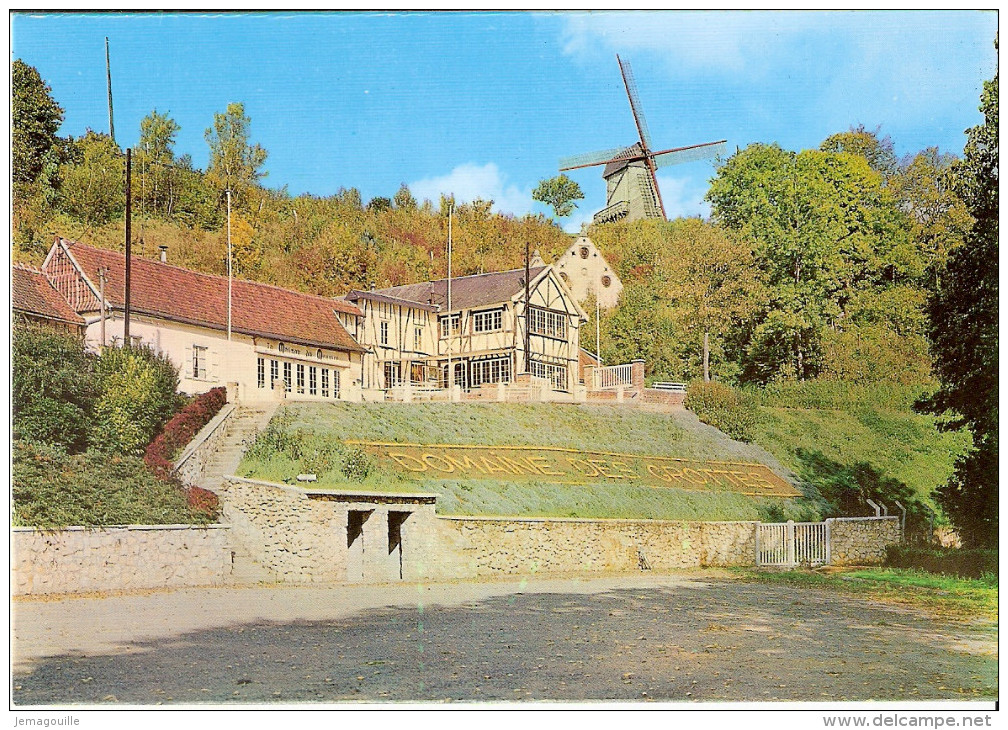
(793, 543)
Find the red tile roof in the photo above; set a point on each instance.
(32, 294)
(468, 292)
(178, 294)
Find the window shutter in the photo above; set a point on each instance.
(187, 370)
(212, 366)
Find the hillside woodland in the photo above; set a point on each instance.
(836, 264)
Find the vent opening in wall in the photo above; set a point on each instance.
(584, 252)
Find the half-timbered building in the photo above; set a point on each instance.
(414, 335)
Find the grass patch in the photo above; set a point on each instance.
(307, 438)
(960, 597)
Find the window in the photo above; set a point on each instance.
(335, 383)
(384, 333)
(545, 322)
(287, 377)
(392, 374)
(274, 372)
(318, 353)
(417, 339)
(312, 380)
(300, 378)
(454, 319)
(325, 382)
(584, 252)
(199, 362)
(496, 370)
(489, 321)
(556, 374)
(261, 372)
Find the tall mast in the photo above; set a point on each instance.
(108, 76)
(450, 380)
(129, 210)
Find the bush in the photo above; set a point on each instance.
(53, 387)
(356, 465)
(53, 489)
(726, 409)
(181, 429)
(137, 397)
(203, 501)
(965, 563)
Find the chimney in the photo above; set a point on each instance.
(164, 253)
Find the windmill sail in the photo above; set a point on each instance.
(635, 105)
(588, 159)
(690, 154)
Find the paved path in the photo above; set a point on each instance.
(690, 638)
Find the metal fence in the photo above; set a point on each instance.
(793, 543)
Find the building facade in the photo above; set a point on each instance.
(281, 343)
(414, 335)
(35, 301)
(585, 271)
(630, 192)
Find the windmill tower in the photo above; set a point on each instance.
(631, 172)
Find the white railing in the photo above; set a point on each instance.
(793, 543)
(611, 377)
(670, 387)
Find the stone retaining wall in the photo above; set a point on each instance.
(510, 546)
(192, 462)
(862, 540)
(76, 560)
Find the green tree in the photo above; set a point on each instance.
(92, 184)
(559, 192)
(138, 396)
(859, 141)
(963, 331)
(35, 118)
(235, 164)
(154, 164)
(53, 389)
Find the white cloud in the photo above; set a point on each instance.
(470, 181)
(683, 197)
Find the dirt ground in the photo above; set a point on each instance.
(700, 637)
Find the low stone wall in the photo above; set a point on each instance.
(862, 540)
(192, 462)
(475, 547)
(77, 560)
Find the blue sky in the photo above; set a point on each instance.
(484, 104)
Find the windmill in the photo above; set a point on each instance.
(631, 172)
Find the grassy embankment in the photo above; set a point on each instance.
(823, 430)
(306, 438)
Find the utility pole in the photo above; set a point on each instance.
(108, 75)
(229, 262)
(102, 274)
(598, 330)
(528, 244)
(129, 209)
(450, 379)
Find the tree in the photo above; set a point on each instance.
(404, 199)
(963, 331)
(559, 192)
(859, 141)
(35, 118)
(53, 389)
(234, 162)
(155, 157)
(91, 188)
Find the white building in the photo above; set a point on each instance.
(585, 271)
(282, 343)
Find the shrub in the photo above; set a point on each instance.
(203, 501)
(356, 465)
(53, 387)
(137, 397)
(723, 407)
(965, 563)
(53, 489)
(181, 429)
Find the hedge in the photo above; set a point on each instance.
(181, 429)
(965, 563)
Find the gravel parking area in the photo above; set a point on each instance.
(700, 637)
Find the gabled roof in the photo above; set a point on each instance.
(634, 150)
(182, 295)
(31, 293)
(468, 292)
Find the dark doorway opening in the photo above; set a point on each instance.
(395, 523)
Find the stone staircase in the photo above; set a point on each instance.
(243, 425)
